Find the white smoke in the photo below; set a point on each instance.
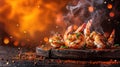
(81, 12)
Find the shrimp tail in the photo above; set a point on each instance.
(87, 29)
(81, 28)
(111, 38)
(69, 29)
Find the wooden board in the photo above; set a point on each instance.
(80, 54)
(42, 51)
(86, 54)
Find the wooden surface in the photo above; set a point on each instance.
(90, 54)
(86, 54)
(8, 58)
(43, 52)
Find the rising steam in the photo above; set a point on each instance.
(81, 11)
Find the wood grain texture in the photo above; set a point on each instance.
(89, 54)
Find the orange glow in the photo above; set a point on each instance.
(59, 20)
(111, 14)
(16, 43)
(29, 15)
(6, 40)
(23, 18)
(109, 6)
(91, 9)
(46, 39)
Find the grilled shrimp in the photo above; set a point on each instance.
(87, 28)
(68, 31)
(90, 40)
(81, 28)
(56, 40)
(111, 38)
(100, 41)
(75, 39)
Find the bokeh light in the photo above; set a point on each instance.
(111, 14)
(6, 40)
(46, 39)
(109, 6)
(16, 43)
(91, 9)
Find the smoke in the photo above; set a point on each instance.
(80, 11)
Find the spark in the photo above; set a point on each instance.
(111, 14)
(19, 48)
(38, 6)
(105, 2)
(109, 20)
(13, 61)
(24, 32)
(109, 6)
(17, 25)
(115, 60)
(16, 43)
(57, 27)
(91, 9)
(11, 37)
(7, 62)
(6, 40)
(46, 39)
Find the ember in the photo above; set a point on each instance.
(6, 40)
(112, 14)
(109, 6)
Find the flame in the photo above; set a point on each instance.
(23, 18)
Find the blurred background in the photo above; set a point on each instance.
(29, 23)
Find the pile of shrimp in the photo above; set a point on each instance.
(82, 37)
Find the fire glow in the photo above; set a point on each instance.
(24, 18)
(36, 20)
